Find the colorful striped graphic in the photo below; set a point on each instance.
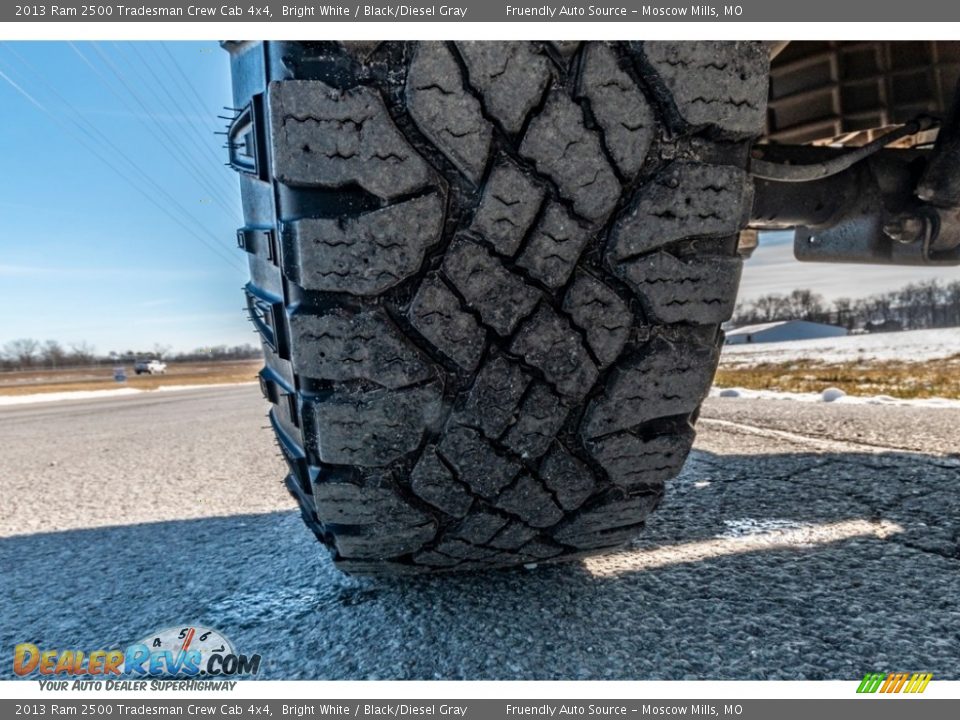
(894, 683)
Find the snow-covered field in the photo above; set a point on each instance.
(94, 394)
(912, 345)
(832, 395)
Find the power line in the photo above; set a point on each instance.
(227, 201)
(199, 141)
(104, 139)
(197, 108)
(92, 145)
(184, 76)
(181, 156)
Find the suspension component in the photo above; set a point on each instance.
(868, 213)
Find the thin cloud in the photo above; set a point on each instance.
(25, 271)
(187, 319)
(40, 271)
(179, 119)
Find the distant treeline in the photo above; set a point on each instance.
(27, 354)
(915, 306)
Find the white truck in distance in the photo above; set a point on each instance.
(150, 366)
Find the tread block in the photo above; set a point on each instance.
(547, 341)
(463, 550)
(445, 112)
(723, 84)
(369, 253)
(383, 541)
(433, 482)
(540, 418)
(564, 149)
(372, 522)
(509, 203)
(361, 49)
(619, 107)
(697, 290)
(603, 539)
(377, 568)
(500, 297)
(324, 137)
(683, 200)
(430, 559)
(376, 427)
(476, 463)
(554, 247)
(366, 345)
(478, 527)
(436, 313)
(634, 463)
(570, 480)
(511, 76)
(528, 500)
(511, 537)
(566, 48)
(666, 379)
(602, 315)
(611, 512)
(536, 550)
(493, 402)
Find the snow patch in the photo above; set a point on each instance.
(97, 394)
(912, 345)
(72, 395)
(834, 396)
(177, 388)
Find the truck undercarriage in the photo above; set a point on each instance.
(861, 152)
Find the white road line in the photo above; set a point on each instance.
(818, 442)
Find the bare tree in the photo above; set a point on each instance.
(843, 311)
(951, 297)
(927, 304)
(806, 305)
(82, 353)
(767, 307)
(24, 352)
(53, 353)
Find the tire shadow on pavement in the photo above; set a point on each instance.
(795, 609)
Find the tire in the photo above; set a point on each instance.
(489, 278)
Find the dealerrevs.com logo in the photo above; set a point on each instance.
(189, 652)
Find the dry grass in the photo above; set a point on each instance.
(900, 379)
(201, 373)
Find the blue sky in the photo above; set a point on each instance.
(773, 269)
(87, 256)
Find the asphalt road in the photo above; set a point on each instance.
(801, 541)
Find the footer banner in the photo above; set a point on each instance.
(875, 709)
